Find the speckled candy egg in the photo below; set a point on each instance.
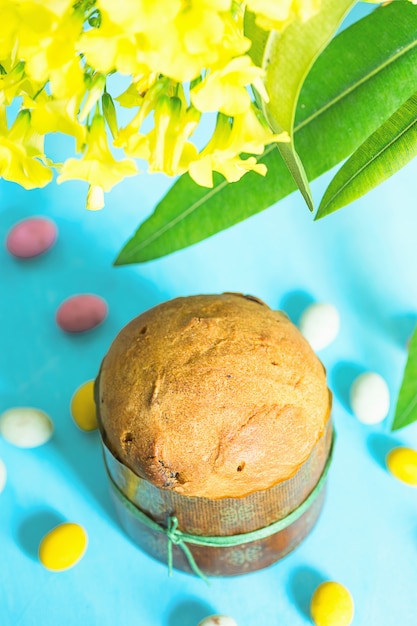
(81, 313)
(370, 398)
(320, 324)
(31, 237)
(26, 427)
(218, 620)
(63, 547)
(331, 605)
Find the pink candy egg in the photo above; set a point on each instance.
(80, 313)
(31, 237)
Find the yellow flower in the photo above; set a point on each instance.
(234, 43)
(225, 90)
(3, 120)
(57, 7)
(48, 43)
(111, 48)
(231, 167)
(203, 34)
(95, 91)
(246, 133)
(140, 15)
(95, 198)
(11, 81)
(170, 37)
(134, 95)
(122, 42)
(97, 166)
(67, 80)
(51, 115)
(250, 133)
(194, 42)
(148, 102)
(21, 152)
(9, 20)
(221, 157)
(273, 15)
(166, 147)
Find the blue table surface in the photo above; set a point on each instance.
(362, 259)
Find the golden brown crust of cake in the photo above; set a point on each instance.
(212, 396)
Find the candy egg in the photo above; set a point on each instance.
(31, 237)
(80, 313)
(83, 407)
(402, 463)
(3, 475)
(26, 427)
(217, 620)
(63, 546)
(320, 325)
(331, 605)
(370, 398)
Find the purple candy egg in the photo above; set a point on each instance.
(80, 313)
(31, 237)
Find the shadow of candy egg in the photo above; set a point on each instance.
(3, 475)
(31, 237)
(33, 527)
(81, 313)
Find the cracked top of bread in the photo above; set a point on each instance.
(212, 396)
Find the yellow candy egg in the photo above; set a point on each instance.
(83, 408)
(63, 547)
(402, 463)
(331, 605)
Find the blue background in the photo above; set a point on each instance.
(362, 259)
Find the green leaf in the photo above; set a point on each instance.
(365, 74)
(287, 59)
(406, 409)
(385, 152)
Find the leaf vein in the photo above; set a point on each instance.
(355, 85)
(404, 414)
(374, 157)
(181, 216)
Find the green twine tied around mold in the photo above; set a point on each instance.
(179, 538)
(175, 537)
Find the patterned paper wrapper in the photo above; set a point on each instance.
(222, 517)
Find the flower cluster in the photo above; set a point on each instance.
(182, 59)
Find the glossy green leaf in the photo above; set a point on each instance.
(406, 409)
(287, 59)
(363, 76)
(385, 152)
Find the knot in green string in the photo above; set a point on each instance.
(173, 534)
(176, 537)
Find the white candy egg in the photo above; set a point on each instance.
(320, 325)
(218, 620)
(3, 475)
(369, 398)
(26, 427)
